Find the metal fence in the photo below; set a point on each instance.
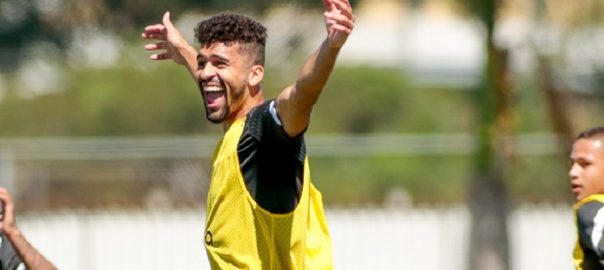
(166, 179)
(140, 172)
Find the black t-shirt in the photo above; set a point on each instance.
(9, 259)
(587, 226)
(272, 163)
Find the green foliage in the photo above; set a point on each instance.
(360, 100)
(150, 98)
(359, 180)
(540, 179)
(368, 99)
(110, 102)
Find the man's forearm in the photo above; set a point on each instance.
(189, 55)
(295, 103)
(30, 256)
(314, 74)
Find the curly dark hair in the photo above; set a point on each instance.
(232, 27)
(591, 133)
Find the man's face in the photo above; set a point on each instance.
(222, 76)
(587, 171)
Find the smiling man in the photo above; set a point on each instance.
(263, 212)
(587, 183)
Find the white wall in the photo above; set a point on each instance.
(540, 238)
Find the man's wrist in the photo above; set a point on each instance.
(331, 48)
(184, 48)
(189, 55)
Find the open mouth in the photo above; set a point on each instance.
(213, 95)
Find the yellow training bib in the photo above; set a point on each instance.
(242, 235)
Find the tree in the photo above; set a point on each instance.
(20, 24)
(488, 197)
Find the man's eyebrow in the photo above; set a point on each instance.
(580, 159)
(219, 56)
(201, 57)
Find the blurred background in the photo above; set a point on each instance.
(440, 142)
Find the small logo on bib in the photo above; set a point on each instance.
(209, 238)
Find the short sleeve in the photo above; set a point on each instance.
(271, 162)
(9, 259)
(590, 228)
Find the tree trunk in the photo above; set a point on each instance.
(555, 104)
(487, 193)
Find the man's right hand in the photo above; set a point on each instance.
(172, 41)
(7, 217)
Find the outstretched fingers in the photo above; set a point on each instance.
(339, 21)
(155, 28)
(166, 20)
(159, 46)
(156, 46)
(171, 45)
(344, 8)
(341, 14)
(156, 31)
(159, 32)
(341, 28)
(161, 56)
(343, 5)
(333, 18)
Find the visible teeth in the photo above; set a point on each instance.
(212, 88)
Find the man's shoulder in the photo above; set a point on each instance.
(261, 108)
(589, 210)
(264, 125)
(256, 120)
(591, 201)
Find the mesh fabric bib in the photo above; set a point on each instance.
(242, 235)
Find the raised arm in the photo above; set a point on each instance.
(172, 41)
(29, 255)
(295, 103)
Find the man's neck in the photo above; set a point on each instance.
(242, 112)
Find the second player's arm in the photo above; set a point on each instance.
(29, 255)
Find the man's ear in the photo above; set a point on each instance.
(255, 76)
